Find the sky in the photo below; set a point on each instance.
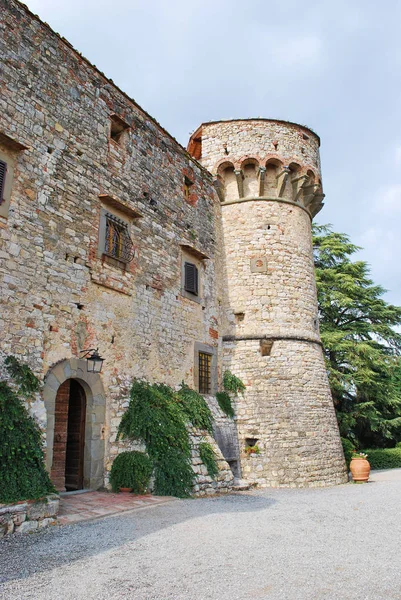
(333, 66)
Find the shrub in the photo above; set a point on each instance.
(158, 416)
(384, 458)
(131, 470)
(224, 401)
(22, 471)
(208, 457)
(349, 449)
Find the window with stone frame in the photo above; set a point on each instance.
(205, 375)
(205, 368)
(117, 240)
(115, 245)
(192, 272)
(191, 278)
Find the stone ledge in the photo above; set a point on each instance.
(29, 515)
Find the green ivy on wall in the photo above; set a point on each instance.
(231, 385)
(158, 416)
(22, 472)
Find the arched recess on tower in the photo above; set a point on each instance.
(273, 167)
(75, 405)
(226, 172)
(250, 173)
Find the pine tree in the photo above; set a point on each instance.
(360, 343)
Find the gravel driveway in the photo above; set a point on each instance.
(340, 543)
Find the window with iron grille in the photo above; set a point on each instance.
(191, 282)
(117, 243)
(205, 380)
(3, 171)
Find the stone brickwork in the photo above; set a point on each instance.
(80, 155)
(29, 516)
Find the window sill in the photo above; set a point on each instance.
(192, 297)
(114, 262)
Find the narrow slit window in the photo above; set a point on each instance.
(187, 186)
(191, 283)
(3, 172)
(205, 383)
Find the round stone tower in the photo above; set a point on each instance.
(267, 175)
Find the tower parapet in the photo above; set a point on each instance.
(267, 174)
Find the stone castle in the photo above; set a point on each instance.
(176, 264)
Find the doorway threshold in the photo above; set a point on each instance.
(73, 492)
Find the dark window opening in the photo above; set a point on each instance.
(266, 347)
(251, 442)
(205, 381)
(187, 186)
(191, 283)
(118, 243)
(117, 128)
(3, 171)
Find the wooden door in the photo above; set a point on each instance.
(74, 460)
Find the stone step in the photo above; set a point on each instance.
(240, 485)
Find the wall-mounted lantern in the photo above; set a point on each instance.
(94, 361)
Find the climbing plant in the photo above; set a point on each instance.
(158, 416)
(208, 457)
(231, 385)
(195, 408)
(224, 401)
(22, 472)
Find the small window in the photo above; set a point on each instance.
(205, 380)
(191, 282)
(117, 243)
(3, 172)
(187, 186)
(117, 128)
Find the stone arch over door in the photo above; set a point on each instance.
(76, 369)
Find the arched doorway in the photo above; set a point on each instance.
(74, 456)
(67, 471)
(75, 405)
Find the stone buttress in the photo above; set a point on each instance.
(267, 175)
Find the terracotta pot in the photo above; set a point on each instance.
(125, 490)
(360, 469)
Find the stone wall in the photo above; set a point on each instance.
(28, 516)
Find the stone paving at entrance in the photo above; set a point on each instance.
(84, 506)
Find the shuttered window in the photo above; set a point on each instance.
(191, 278)
(3, 171)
